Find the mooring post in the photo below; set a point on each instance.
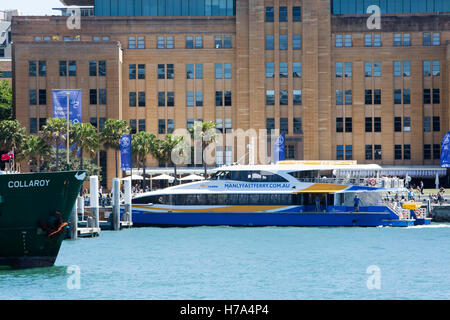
(116, 203)
(80, 207)
(94, 200)
(127, 195)
(74, 223)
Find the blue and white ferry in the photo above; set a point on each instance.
(289, 193)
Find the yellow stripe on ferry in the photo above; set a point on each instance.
(323, 188)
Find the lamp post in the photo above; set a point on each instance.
(68, 135)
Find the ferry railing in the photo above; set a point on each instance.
(366, 182)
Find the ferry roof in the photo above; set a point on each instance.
(301, 166)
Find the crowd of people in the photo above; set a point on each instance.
(415, 193)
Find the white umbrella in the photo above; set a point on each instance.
(134, 177)
(163, 177)
(192, 177)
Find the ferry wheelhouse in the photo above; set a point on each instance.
(289, 193)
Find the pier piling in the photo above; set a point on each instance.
(127, 196)
(94, 200)
(80, 207)
(74, 222)
(116, 203)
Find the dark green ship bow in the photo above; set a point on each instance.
(34, 211)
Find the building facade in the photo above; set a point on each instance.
(311, 69)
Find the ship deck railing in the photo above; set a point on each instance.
(365, 182)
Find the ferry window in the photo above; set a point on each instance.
(202, 199)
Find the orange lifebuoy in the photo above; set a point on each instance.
(372, 182)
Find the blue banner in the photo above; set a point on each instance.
(60, 105)
(445, 151)
(278, 149)
(125, 152)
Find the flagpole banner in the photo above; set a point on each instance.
(60, 105)
(278, 149)
(125, 152)
(445, 151)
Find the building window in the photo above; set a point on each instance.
(339, 97)
(92, 68)
(290, 152)
(141, 71)
(436, 39)
(377, 96)
(427, 96)
(227, 70)
(348, 70)
(141, 42)
(339, 152)
(72, 68)
(397, 124)
(42, 68)
(199, 71)
(132, 99)
(227, 42)
(348, 97)
(427, 68)
(160, 43)
(397, 69)
(436, 96)
(368, 69)
(348, 40)
(161, 71)
(398, 152)
(406, 96)
(369, 152)
(368, 124)
(63, 69)
(284, 70)
(93, 96)
(170, 71)
(270, 70)
(102, 68)
(284, 98)
(296, 42)
(131, 42)
(297, 69)
(269, 14)
(270, 125)
(199, 99)
(270, 43)
(42, 123)
(219, 98)
(170, 126)
(190, 98)
(397, 39)
(406, 124)
(219, 71)
(189, 71)
(339, 70)
(368, 96)
(133, 126)
(33, 97)
(406, 69)
(218, 42)
(427, 39)
(270, 97)
(397, 96)
(406, 39)
(141, 125)
(227, 98)
(377, 69)
(170, 43)
(101, 124)
(170, 98)
(368, 40)
(161, 126)
(407, 152)
(339, 40)
(436, 124)
(33, 125)
(348, 125)
(436, 68)
(42, 96)
(283, 41)
(132, 71)
(377, 124)
(189, 42)
(32, 68)
(427, 124)
(297, 97)
(298, 126)
(102, 96)
(198, 42)
(378, 154)
(296, 14)
(284, 126)
(283, 14)
(141, 99)
(339, 125)
(348, 152)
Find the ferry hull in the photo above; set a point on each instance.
(141, 218)
(34, 212)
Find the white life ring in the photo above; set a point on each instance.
(372, 182)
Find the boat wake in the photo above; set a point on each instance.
(431, 226)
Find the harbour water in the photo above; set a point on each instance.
(244, 263)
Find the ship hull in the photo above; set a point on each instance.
(261, 219)
(34, 212)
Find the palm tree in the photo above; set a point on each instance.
(35, 147)
(54, 133)
(85, 138)
(11, 136)
(112, 132)
(207, 133)
(167, 146)
(143, 144)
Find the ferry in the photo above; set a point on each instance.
(289, 193)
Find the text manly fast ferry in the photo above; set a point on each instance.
(290, 193)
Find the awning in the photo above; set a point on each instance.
(192, 177)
